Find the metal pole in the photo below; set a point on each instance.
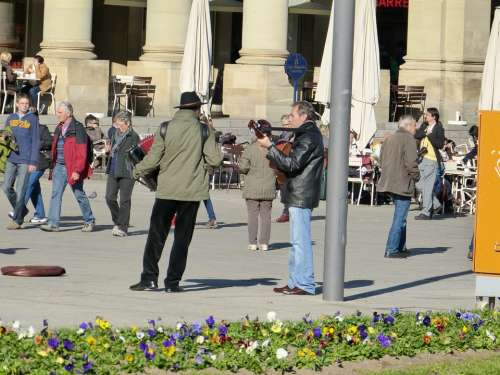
(338, 151)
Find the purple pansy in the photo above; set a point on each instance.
(376, 317)
(222, 330)
(167, 343)
(389, 320)
(196, 329)
(68, 345)
(394, 311)
(385, 341)
(143, 346)
(69, 367)
(198, 359)
(53, 343)
(210, 321)
(151, 333)
(427, 321)
(317, 332)
(87, 366)
(84, 326)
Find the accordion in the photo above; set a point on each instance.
(136, 154)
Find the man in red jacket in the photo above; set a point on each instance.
(70, 165)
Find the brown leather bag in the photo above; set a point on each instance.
(33, 271)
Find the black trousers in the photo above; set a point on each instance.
(120, 214)
(161, 217)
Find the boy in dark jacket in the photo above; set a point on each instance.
(34, 191)
(20, 164)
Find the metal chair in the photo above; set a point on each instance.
(6, 92)
(50, 92)
(143, 89)
(120, 90)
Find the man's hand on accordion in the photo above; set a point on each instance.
(136, 174)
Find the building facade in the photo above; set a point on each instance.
(441, 44)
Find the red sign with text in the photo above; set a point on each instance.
(393, 3)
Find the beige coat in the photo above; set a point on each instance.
(182, 159)
(398, 162)
(260, 180)
(43, 75)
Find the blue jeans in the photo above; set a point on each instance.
(34, 192)
(16, 173)
(397, 235)
(60, 180)
(33, 93)
(210, 209)
(300, 259)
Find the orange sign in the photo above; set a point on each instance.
(392, 3)
(487, 234)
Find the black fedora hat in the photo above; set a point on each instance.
(190, 100)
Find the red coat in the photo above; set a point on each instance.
(76, 149)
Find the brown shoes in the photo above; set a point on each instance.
(14, 226)
(292, 292)
(283, 219)
(281, 290)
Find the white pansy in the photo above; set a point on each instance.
(491, 335)
(253, 345)
(281, 353)
(122, 338)
(80, 331)
(140, 335)
(339, 318)
(213, 357)
(31, 331)
(266, 343)
(160, 329)
(200, 340)
(271, 316)
(179, 326)
(16, 325)
(428, 333)
(21, 335)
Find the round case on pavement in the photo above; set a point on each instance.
(33, 271)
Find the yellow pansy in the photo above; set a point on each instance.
(328, 331)
(43, 353)
(352, 330)
(59, 360)
(264, 332)
(104, 324)
(371, 330)
(134, 329)
(276, 328)
(465, 329)
(91, 341)
(129, 357)
(393, 335)
(169, 351)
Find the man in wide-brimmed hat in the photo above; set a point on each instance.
(181, 154)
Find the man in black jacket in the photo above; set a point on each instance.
(303, 168)
(431, 140)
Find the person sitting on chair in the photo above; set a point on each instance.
(44, 79)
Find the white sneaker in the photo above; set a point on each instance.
(88, 227)
(263, 247)
(11, 215)
(252, 247)
(117, 232)
(38, 221)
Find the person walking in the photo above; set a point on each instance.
(431, 139)
(34, 191)
(20, 163)
(303, 168)
(119, 171)
(400, 172)
(259, 191)
(70, 165)
(181, 154)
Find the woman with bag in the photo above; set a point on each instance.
(259, 191)
(120, 179)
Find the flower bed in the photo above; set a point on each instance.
(99, 348)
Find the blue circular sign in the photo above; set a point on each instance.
(295, 66)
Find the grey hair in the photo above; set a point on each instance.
(68, 107)
(305, 108)
(403, 120)
(123, 116)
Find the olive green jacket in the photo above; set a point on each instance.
(260, 179)
(182, 161)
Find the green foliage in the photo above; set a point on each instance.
(99, 348)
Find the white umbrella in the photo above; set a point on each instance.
(197, 59)
(490, 90)
(366, 72)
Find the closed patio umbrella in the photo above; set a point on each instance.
(197, 59)
(490, 87)
(366, 72)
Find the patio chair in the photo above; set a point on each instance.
(120, 90)
(416, 103)
(230, 164)
(6, 92)
(144, 90)
(50, 92)
(366, 181)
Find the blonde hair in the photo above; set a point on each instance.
(5, 56)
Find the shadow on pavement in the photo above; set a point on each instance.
(207, 284)
(427, 251)
(351, 284)
(12, 250)
(408, 285)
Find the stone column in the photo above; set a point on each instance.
(166, 27)
(265, 26)
(447, 42)
(67, 29)
(7, 36)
